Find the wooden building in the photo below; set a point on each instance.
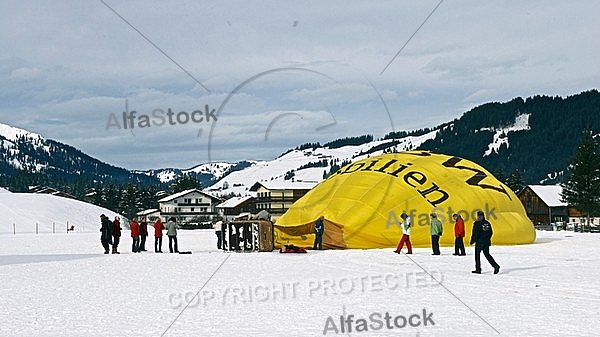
(543, 204)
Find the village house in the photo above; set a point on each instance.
(235, 206)
(150, 214)
(276, 197)
(544, 207)
(189, 206)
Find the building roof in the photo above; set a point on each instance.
(147, 211)
(183, 193)
(49, 190)
(284, 185)
(233, 202)
(550, 194)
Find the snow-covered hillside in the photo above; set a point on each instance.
(312, 160)
(12, 133)
(217, 169)
(165, 175)
(8, 141)
(22, 211)
(501, 134)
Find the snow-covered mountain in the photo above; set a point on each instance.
(522, 134)
(536, 135)
(10, 140)
(310, 164)
(207, 174)
(21, 150)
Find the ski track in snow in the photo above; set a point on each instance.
(61, 285)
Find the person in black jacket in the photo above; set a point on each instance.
(106, 230)
(143, 234)
(481, 237)
(319, 229)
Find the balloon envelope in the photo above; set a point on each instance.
(363, 201)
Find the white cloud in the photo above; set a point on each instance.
(65, 66)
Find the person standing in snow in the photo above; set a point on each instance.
(172, 233)
(406, 224)
(106, 230)
(218, 226)
(116, 233)
(319, 229)
(482, 238)
(143, 234)
(436, 232)
(135, 236)
(459, 233)
(158, 235)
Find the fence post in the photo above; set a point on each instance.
(14, 229)
(53, 228)
(67, 226)
(36, 228)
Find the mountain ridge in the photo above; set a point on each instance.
(536, 136)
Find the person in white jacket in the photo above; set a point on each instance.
(218, 226)
(406, 224)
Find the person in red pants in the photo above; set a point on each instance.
(406, 224)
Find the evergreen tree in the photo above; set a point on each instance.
(185, 182)
(582, 189)
(515, 181)
(129, 204)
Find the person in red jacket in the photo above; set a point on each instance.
(459, 233)
(135, 235)
(116, 233)
(158, 234)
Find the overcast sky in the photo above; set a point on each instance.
(277, 73)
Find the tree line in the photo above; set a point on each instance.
(123, 198)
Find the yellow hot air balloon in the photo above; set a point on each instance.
(363, 201)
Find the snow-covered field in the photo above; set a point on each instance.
(62, 284)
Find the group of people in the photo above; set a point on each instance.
(481, 237)
(111, 234)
